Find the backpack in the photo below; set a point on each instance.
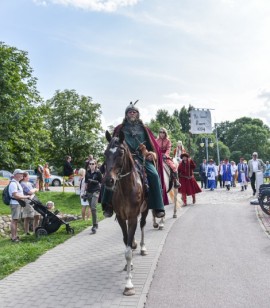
(5, 195)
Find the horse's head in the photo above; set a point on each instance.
(116, 156)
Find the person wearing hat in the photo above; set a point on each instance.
(242, 171)
(179, 150)
(189, 186)
(254, 165)
(211, 173)
(16, 193)
(165, 146)
(226, 173)
(136, 134)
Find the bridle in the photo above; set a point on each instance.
(119, 175)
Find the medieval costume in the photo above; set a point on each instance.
(242, 170)
(179, 150)
(188, 183)
(136, 133)
(226, 173)
(211, 173)
(165, 147)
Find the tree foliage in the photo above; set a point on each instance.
(75, 125)
(22, 134)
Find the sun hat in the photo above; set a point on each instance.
(16, 171)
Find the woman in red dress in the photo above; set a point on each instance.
(189, 186)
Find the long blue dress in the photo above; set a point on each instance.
(211, 176)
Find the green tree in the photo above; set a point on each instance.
(22, 134)
(75, 124)
(247, 135)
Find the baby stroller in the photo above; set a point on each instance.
(50, 222)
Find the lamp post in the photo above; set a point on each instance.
(206, 142)
(218, 157)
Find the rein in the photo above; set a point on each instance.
(119, 175)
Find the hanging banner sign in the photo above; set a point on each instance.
(200, 121)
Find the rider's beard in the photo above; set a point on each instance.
(133, 119)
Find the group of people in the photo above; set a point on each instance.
(136, 133)
(21, 189)
(228, 173)
(43, 177)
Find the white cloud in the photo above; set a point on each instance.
(40, 2)
(265, 94)
(92, 5)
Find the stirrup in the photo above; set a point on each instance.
(159, 214)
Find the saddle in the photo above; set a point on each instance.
(141, 171)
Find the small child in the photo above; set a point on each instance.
(50, 205)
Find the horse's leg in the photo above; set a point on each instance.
(161, 224)
(142, 225)
(175, 203)
(132, 225)
(123, 226)
(129, 288)
(155, 224)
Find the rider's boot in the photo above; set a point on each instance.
(159, 213)
(176, 182)
(107, 210)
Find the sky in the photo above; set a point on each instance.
(212, 54)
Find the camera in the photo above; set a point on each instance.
(84, 197)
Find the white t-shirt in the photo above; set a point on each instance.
(14, 187)
(255, 165)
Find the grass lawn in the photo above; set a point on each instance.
(15, 255)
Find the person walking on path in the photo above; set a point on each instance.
(242, 171)
(203, 174)
(234, 173)
(254, 165)
(266, 174)
(93, 180)
(179, 150)
(211, 172)
(189, 186)
(84, 201)
(226, 173)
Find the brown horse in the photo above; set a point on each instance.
(128, 198)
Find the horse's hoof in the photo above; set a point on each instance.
(129, 291)
(161, 228)
(174, 216)
(155, 225)
(134, 246)
(125, 268)
(144, 253)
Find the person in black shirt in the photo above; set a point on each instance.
(68, 171)
(93, 180)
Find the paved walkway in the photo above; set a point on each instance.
(87, 270)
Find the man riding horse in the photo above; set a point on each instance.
(165, 146)
(137, 134)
